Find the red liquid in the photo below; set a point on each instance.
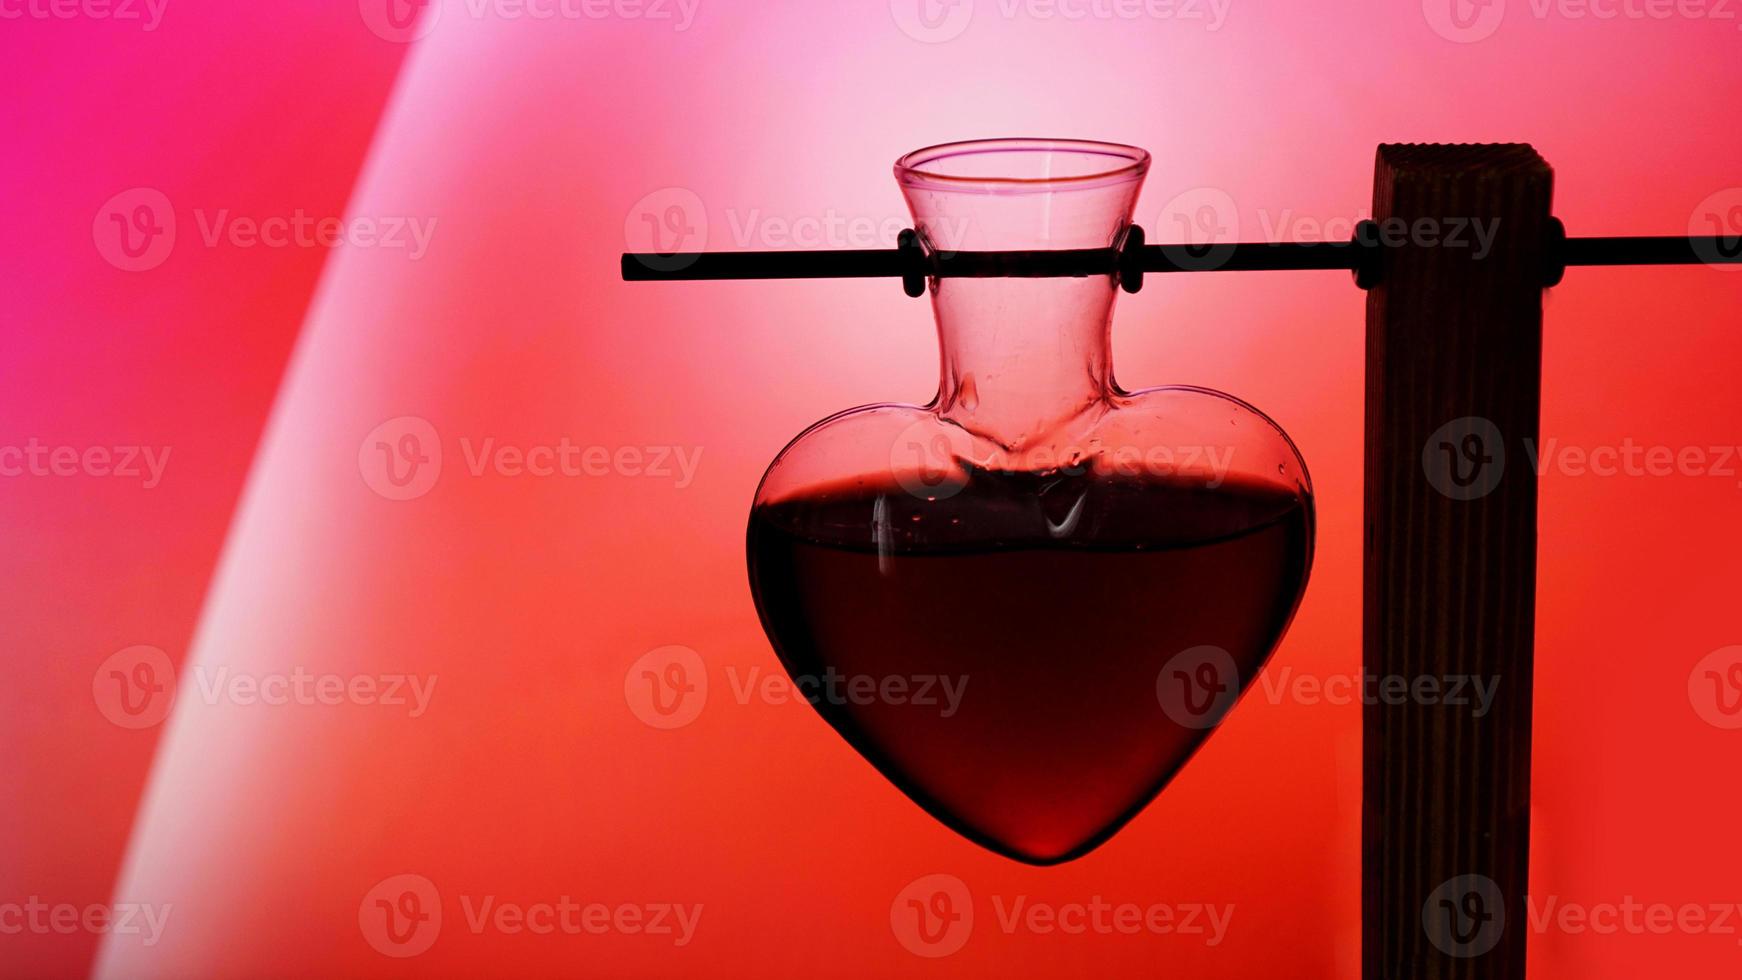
(1050, 629)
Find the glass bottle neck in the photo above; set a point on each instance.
(1021, 358)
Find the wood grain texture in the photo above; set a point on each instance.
(1450, 560)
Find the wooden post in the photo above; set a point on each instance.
(1454, 381)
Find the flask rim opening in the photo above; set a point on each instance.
(1022, 163)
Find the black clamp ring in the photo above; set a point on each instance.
(1369, 254)
(1130, 260)
(1554, 254)
(914, 265)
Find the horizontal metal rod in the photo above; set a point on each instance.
(1241, 257)
(1645, 250)
(874, 263)
(868, 263)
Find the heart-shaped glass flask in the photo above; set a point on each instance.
(1029, 601)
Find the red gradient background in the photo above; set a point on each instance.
(533, 144)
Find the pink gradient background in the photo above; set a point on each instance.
(534, 145)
